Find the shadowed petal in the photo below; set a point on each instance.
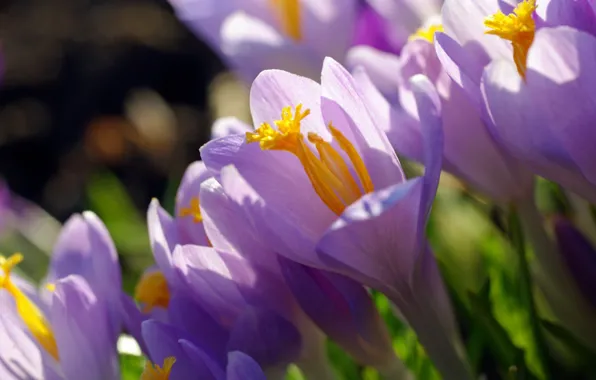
(243, 367)
(163, 235)
(82, 331)
(190, 230)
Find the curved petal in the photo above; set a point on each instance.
(20, 356)
(191, 230)
(197, 355)
(381, 67)
(359, 124)
(253, 45)
(342, 309)
(162, 342)
(578, 14)
(242, 367)
(132, 319)
(198, 324)
(163, 235)
(371, 30)
(82, 331)
(229, 229)
(226, 126)
(85, 247)
(271, 340)
(463, 20)
(545, 120)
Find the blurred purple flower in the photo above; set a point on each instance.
(579, 255)
(533, 89)
(350, 209)
(253, 35)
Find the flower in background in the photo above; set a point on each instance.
(68, 330)
(253, 35)
(470, 152)
(346, 208)
(527, 70)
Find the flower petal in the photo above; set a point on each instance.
(226, 126)
(271, 340)
(162, 342)
(82, 331)
(202, 358)
(190, 230)
(463, 20)
(359, 124)
(163, 235)
(253, 45)
(578, 14)
(242, 366)
(343, 309)
(380, 66)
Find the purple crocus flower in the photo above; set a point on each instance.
(253, 35)
(520, 82)
(70, 331)
(232, 272)
(184, 359)
(349, 208)
(527, 74)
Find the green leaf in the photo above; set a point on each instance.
(131, 367)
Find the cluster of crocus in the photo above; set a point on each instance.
(282, 229)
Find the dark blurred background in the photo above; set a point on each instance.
(100, 86)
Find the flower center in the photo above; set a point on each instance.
(427, 33)
(517, 27)
(194, 210)
(330, 174)
(155, 372)
(27, 310)
(288, 12)
(152, 291)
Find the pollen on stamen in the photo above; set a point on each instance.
(290, 16)
(194, 210)
(518, 28)
(155, 372)
(28, 311)
(287, 135)
(152, 291)
(427, 34)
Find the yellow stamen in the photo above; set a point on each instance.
(329, 173)
(288, 12)
(27, 310)
(193, 210)
(152, 291)
(51, 287)
(517, 27)
(155, 372)
(427, 33)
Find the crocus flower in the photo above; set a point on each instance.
(231, 272)
(183, 359)
(384, 29)
(470, 152)
(69, 332)
(253, 35)
(526, 70)
(346, 208)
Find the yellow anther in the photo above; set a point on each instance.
(194, 210)
(155, 372)
(51, 287)
(152, 291)
(517, 27)
(329, 173)
(27, 310)
(427, 33)
(289, 15)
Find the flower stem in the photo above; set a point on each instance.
(527, 293)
